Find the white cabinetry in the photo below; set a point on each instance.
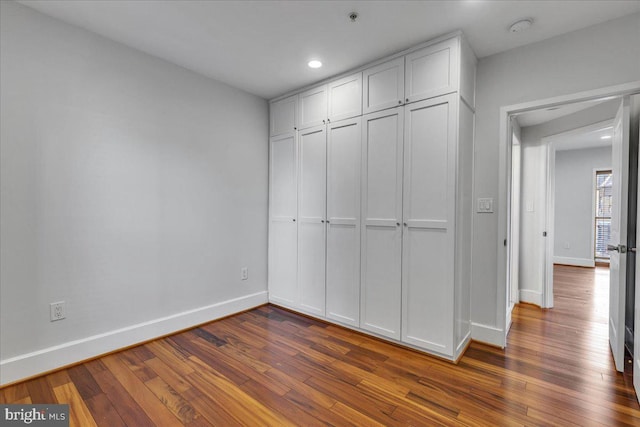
(380, 240)
(383, 86)
(283, 116)
(345, 98)
(283, 245)
(343, 221)
(312, 105)
(429, 224)
(311, 219)
(432, 71)
(382, 216)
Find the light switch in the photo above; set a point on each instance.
(485, 205)
(529, 206)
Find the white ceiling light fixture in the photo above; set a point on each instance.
(521, 25)
(605, 137)
(314, 63)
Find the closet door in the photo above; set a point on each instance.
(429, 215)
(381, 217)
(432, 71)
(312, 105)
(343, 221)
(345, 98)
(311, 222)
(283, 242)
(383, 86)
(283, 116)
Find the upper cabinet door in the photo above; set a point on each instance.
(313, 107)
(283, 115)
(432, 71)
(383, 86)
(345, 98)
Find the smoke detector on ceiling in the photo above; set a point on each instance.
(521, 25)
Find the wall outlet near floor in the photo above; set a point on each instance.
(57, 310)
(244, 273)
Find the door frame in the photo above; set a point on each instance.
(550, 141)
(503, 244)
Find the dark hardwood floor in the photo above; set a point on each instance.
(272, 367)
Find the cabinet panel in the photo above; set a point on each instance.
(283, 178)
(432, 71)
(383, 86)
(311, 266)
(343, 170)
(345, 98)
(343, 273)
(426, 163)
(283, 255)
(311, 219)
(428, 289)
(429, 217)
(343, 221)
(312, 105)
(381, 268)
(282, 116)
(283, 245)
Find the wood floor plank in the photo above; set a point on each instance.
(79, 414)
(104, 414)
(40, 391)
(152, 406)
(270, 366)
(123, 403)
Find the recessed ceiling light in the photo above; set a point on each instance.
(605, 137)
(521, 25)
(314, 64)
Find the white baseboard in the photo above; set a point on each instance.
(38, 362)
(578, 262)
(531, 297)
(462, 345)
(487, 334)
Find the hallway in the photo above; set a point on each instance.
(568, 344)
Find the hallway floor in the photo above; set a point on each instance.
(570, 341)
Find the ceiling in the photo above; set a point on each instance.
(590, 137)
(263, 46)
(543, 115)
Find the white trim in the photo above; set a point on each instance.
(578, 262)
(531, 297)
(488, 334)
(546, 297)
(462, 345)
(504, 176)
(47, 359)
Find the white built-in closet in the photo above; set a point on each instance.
(370, 200)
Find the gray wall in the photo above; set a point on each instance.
(574, 195)
(598, 56)
(132, 188)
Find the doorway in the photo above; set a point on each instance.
(505, 212)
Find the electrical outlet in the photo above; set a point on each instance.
(567, 245)
(244, 273)
(57, 311)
